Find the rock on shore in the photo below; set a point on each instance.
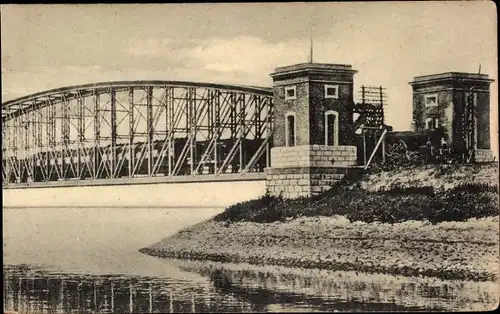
(450, 250)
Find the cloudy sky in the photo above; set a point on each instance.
(46, 46)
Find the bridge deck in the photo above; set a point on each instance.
(227, 177)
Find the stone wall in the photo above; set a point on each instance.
(484, 155)
(301, 182)
(313, 156)
(302, 171)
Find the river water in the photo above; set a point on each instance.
(65, 260)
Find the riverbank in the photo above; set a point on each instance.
(449, 250)
(403, 227)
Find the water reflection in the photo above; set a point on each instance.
(34, 290)
(262, 299)
(326, 290)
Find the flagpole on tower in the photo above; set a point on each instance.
(311, 38)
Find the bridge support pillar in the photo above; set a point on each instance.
(304, 171)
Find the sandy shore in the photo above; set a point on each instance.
(448, 250)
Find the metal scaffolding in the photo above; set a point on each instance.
(136, 129)
(371, 121)
(371, 108)
(466, 126)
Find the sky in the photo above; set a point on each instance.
(50, 46)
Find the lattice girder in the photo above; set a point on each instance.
(132, 129)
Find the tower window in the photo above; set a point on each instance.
(431, 123)
(290, 129)
(332, 91)
(431, 100)
(290, 92)
(414, 125)
(331, 128)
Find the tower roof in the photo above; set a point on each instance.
(314, 67)
(451, 76)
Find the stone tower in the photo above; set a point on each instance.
(439, 101)
(312, 128)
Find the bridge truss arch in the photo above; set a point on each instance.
(136, 129)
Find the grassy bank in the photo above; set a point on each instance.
(388, 206)
(430, 193)
(413, 228)
(440, 177)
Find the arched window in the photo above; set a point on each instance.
(414, 126)
(331, 128)
(431, 123)
(290, 129)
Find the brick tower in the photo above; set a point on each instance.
(440, 100)
(313, 135)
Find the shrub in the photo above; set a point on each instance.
(475, 187)
(264, 209)
(334, 203)
(389, 208)
(466, 201)
(245, 210)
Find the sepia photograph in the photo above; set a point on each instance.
(250, 157)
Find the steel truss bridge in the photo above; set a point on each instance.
(136, 129)
(133, 129)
